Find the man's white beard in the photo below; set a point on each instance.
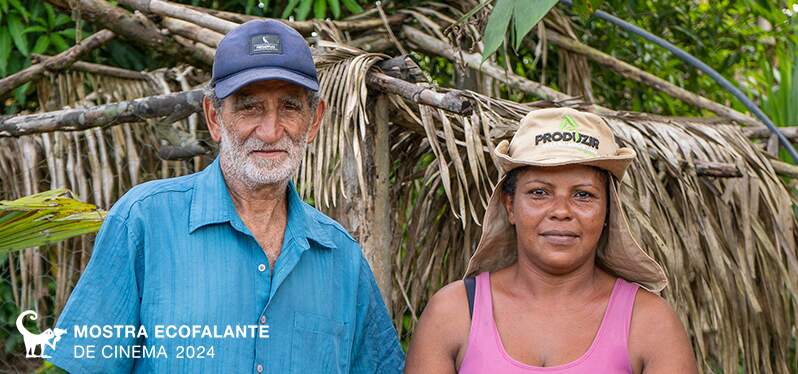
(252, 171)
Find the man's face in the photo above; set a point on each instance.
(264, 129)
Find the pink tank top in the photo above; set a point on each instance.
(607, 354)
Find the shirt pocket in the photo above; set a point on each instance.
(318, 345)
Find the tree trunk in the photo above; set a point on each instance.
(367, 214)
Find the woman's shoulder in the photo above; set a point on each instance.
(656, 334)
(650, 308)
(442, 331)
(450, 301)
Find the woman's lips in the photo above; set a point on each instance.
(560, 237)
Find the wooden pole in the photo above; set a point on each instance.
(378, 246)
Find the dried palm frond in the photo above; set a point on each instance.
(342, 78)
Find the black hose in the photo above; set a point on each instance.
(700, 65)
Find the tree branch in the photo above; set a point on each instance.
(452, 101)
(188, 102)
(89, 67)
(167, 9)
(763, 132)
(135, 28)
(305, 27)
(191, 31)
(432, 45)
(638, 75)
(56, 63)
(101, 115)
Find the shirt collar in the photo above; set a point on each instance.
(211, 204)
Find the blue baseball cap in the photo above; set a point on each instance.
(261, 50)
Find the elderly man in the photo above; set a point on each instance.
(228, 270)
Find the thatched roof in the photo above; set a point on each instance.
(702, 197)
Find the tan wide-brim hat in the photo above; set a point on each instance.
(564, 136)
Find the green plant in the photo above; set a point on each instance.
(780, 91)
(30, 27)
(299, 9)
(45, 218)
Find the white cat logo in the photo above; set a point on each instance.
(32, 340)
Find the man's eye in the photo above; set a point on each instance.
(291, 106)
(247, 107)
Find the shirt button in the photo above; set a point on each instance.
(261, 267)
(259, 368)
(262, 320)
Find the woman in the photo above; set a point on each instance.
(557, 270)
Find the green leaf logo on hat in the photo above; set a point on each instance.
(568, 124)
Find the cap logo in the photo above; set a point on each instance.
(568, 124)
(569, 133)
(265, 44)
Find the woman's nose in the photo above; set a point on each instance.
(561, 209)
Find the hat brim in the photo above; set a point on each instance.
(621, 254)
(228, 85)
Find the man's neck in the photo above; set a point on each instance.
(262, 202)
(264, 210)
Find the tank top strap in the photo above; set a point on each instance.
(618, 316)
(483, 306)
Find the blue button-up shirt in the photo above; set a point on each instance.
(174, 257)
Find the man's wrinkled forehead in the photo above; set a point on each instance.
(261, 89)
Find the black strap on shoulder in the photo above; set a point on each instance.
(470, 285)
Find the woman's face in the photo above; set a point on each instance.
(558, 215)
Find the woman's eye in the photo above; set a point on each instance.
(537, 192)
(583, 195)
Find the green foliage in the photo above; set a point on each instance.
(301, 10)
(524, 14)
(45, 218)
(30, 27)
(729, 36)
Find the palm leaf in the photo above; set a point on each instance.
(45, 218)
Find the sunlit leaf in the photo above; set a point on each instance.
(497, 25)
(61, 19)
(5, 51)
(526, 14)
(41, 44)
(320, 9)
(16, 30)
(20, 8)
(289, 8)
(45, 218)
(352, 6)
(303, 10)
(59, 42)
(335, 8)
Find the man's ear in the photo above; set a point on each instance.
(317, 117)
(507, 201)
(211, 119)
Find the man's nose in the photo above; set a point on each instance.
(269, 129)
